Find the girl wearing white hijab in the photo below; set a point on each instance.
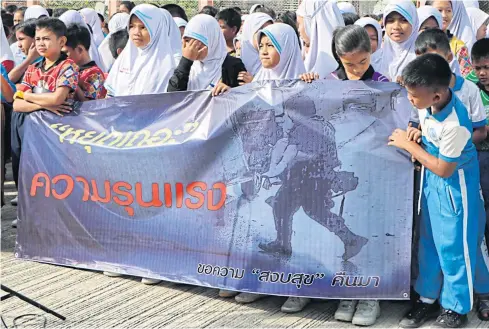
(35, 12)
(181, 23)
(249, 48)
(346, 7)
(205, 63)
(398, 49)
(283, 39)
(455, 18)
(118, 22)
(147, 62)
(73, 17)
(479, 21)
(6, 56)
(317, 21)
(92, 19)
(374, 31)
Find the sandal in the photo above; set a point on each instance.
(483, 308)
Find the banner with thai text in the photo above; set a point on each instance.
(280, 188)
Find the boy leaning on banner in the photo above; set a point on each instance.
(47, 85)
(452, 213)
(480, 60)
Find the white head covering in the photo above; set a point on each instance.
(118, 22)
(366, 21)
(460, 25)
(471, 3)
(73, 17)
(174, 36)
(208, 72)
(35, 12)
(180, 22)
(254, 7)
(5, 52)
(321, 18)
(147, 70)
(394, 57)
(249, 54)
(346, 7)
(477, 18)
(425, 12)
(285, 42)
(92, 19)
(244, 17)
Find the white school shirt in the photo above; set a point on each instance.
(470, 96)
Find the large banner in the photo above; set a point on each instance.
(279, 188)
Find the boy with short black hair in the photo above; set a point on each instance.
(91, 77)
(450, 253)
(117, 42)
(47, 85)
(480, 62)
(435, 41)
(230, 23)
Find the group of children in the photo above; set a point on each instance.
(439, 52)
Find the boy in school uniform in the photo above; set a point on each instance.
(480, 61)
(451, 265)
(91, 77)
(48, 85)
(435, 41)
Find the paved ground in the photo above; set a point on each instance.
(91, 300)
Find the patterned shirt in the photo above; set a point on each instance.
(63, 73)
(463, 57)
(92, 81)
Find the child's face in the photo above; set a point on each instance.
(429, 24)
(18, 17)
(204, 51)
(237, 47)
(422, 98)
(138, 33)
(269, 55)
(355, 64)
(397, 27)
(481, 32)
(448, 56)
(75, 54)
(372, 34)
(48, 44)
(124, 9)
(445, 8)
(481, 68)
(228, 32)
(24, 42)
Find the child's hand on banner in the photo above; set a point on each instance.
(220, 89)
(414, 134)
(309, 77)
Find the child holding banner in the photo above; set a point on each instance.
(452, 213)
(47, 85)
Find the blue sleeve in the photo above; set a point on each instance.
(5, 75)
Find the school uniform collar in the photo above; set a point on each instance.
(87, 66)
(40, 64)
(368, 75)
(445, 112)
(459, 82)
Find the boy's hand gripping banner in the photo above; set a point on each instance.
(276, 188)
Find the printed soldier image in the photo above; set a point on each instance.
(303, 162)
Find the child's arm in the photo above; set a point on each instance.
(49, 99)
(436, 165)
(80, 95)
(17, 72)
(479, 135)
(7, 90)
(21, 105)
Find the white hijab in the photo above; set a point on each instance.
(321, 18)
(394, 57)
(249, 54)
(471, 3)
(5, 51)
(73, 17)
(208, 72)
(92, 19)
(180, 22)
(174, 36)
(118, 22)
(285, 42)
(148, 70)
(254, 7)
(460, 25)
(369, 21)
(35, 12)
(425, 12)
(346, 7)
(477, 18)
